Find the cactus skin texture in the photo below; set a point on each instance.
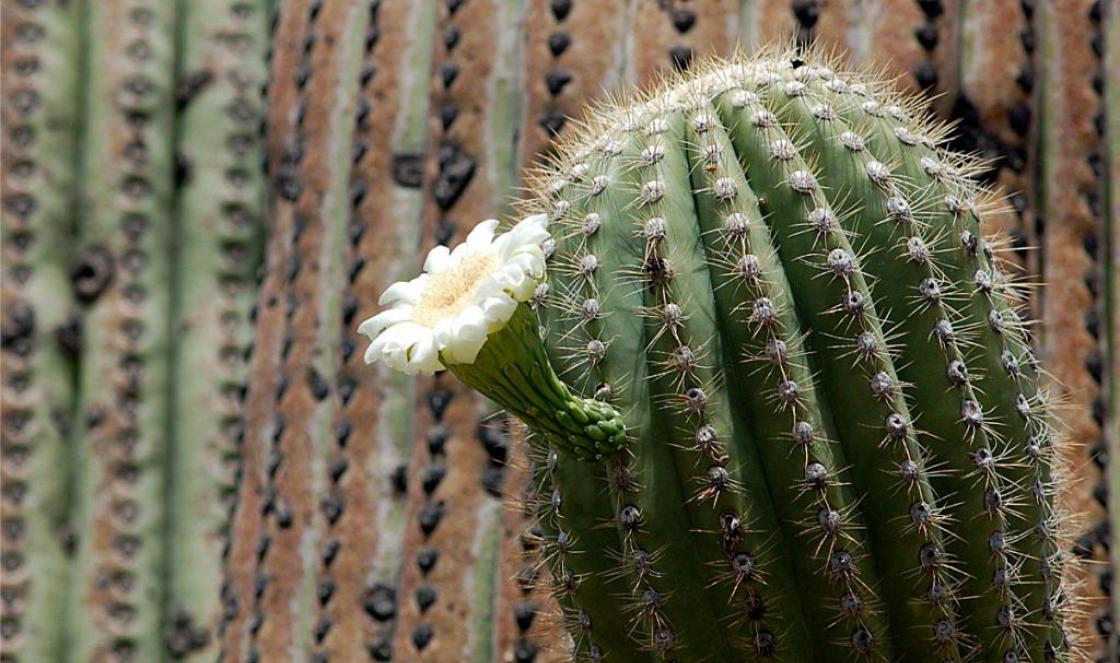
(37, 338)
(219, 208)
(124, 273)
(452, 99)
(839, 448)
(122, 375)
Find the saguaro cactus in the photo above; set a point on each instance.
(37, 338)
(836, 443)
(126, 158)
(152, 378)
(220, 209)
(122, 277)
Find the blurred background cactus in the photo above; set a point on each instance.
(201, 199)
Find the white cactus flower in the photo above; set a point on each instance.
(444, 315)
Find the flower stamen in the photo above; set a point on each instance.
(447, 293)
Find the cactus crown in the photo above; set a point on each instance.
(837, 443)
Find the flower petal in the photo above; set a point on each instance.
(481, 236)
(529, 232)
(512, 278)
(424, 357)
(471, 322)
(437, 259)
(469, 336)
(371, 327)
(498, 310)
(393, 344)
(443, 332)
(404, 291)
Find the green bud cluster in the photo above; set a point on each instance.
(513, 370)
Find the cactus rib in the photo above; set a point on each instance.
(219, 206)
(117, 604)
(38, 334)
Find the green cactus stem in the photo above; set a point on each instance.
(219, 208)
(123, 272)
(38, 334)
(836, 445)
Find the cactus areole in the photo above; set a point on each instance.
(781, 403)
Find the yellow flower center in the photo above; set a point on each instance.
(450, 291)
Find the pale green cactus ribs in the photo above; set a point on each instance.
(219, 235)
(37, 333)
(837, 444)
(124, 267)
(118, 170)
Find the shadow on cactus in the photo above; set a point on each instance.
(781, 402)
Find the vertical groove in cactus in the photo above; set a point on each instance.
(344, 498)
(247, 542)
(219, 238)
(876, 391)
(122, 276)
(376, 423)
(37, 336)
(372, 425)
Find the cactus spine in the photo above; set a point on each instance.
(838, 445)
